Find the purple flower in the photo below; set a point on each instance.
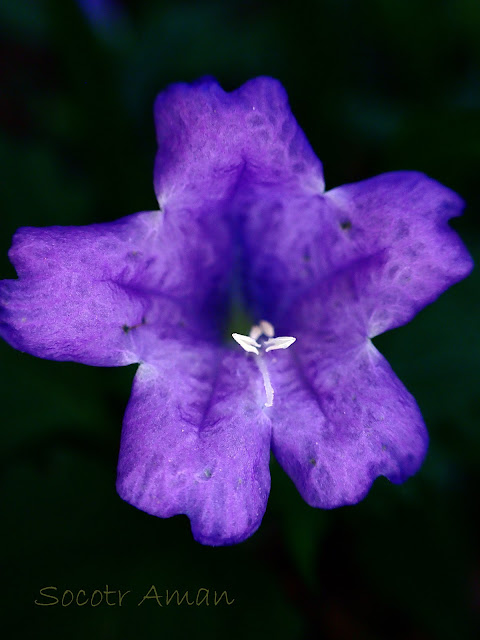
(244, 218)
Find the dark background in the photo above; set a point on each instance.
(377, 86)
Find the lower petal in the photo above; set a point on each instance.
(337, 428)
(195, 441)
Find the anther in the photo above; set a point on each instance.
(253, 344)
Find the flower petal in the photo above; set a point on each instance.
(103, 294)
(195, 441)
(403, 215)
(397, 220)
(210, 141)
(339, 423)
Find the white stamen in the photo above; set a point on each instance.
(266, 381)
(247, 343)
(267, 329)
(282, 342)
(255, 332)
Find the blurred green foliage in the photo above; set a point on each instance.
(377, 85)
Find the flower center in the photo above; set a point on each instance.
(260, 341)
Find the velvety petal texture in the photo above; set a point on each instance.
(403, 218)
(396, 221)
(341, 422)
(244, 217)
(214, 145)
(106, 293)
(196, 441)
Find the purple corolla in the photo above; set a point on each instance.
(244, 219)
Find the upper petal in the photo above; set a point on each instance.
(396, 222)
(104, 293)
(195, 441)
(340, 422)
(209, 140)
(404, 217)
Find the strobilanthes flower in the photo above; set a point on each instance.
(244, 218)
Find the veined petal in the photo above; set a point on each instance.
(210, 140)
(296, 240)
(195, 441)
(105, 293)
(339, 423)
(403, 215)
